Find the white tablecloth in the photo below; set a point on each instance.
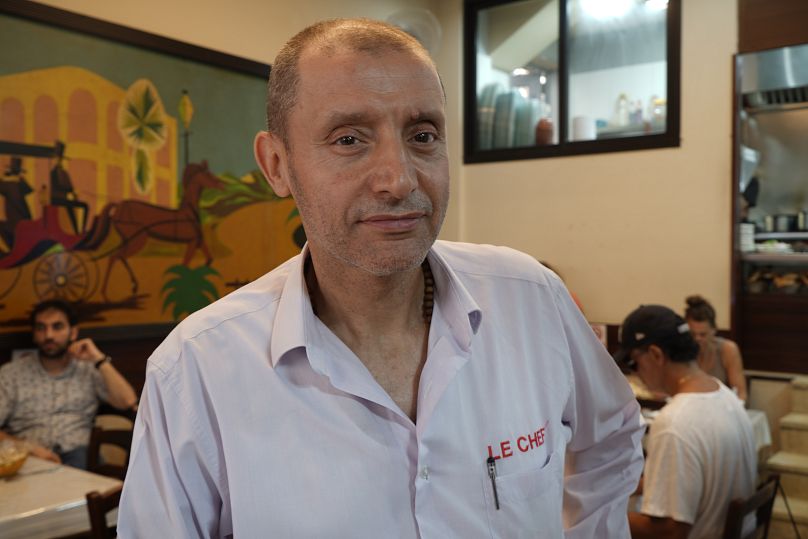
(45, 499)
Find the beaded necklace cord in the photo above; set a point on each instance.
(429, 292)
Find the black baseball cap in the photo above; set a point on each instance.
(650, 324)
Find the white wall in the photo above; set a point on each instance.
(622, 228)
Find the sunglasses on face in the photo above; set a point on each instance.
(630, 364)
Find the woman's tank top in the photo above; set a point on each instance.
(710, 360)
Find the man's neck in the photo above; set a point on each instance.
(54, 366)
(381, 319)
(688, 378)
(356, 304)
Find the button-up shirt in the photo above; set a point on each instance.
(257, 420)
(56, 412)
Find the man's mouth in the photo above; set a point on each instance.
(51, 350)
(394, 222)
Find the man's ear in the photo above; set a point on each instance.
(656, 353)
(272, 157)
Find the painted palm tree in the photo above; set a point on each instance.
(142, 122)
(189, 290)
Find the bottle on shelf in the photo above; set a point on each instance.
(659, 113)
(544, 131)
(622, 112)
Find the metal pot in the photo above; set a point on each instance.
(802, 220)
(785, 222)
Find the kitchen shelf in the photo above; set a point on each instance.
(779, 259)
(781, 236)
(635, 130)
(782, 107)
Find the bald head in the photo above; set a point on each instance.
(328, 38)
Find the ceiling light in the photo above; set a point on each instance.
(606, 9)
(656, 5)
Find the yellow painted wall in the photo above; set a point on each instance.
(61, 83)
(622, 228)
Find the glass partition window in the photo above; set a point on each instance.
(617, 68)
(560, 77)
(517, 75)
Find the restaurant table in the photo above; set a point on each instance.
(45, 499)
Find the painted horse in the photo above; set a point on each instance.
(136, 222)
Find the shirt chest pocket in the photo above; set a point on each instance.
(529, 502)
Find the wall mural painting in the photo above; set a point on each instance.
(127, 182)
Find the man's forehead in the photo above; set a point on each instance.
(50, 316)
(374, 75)
(351, 61)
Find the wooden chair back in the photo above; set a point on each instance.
(117, 437)
(113, 432)
(760, 503)
(99, 504)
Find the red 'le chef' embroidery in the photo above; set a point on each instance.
(522, 444)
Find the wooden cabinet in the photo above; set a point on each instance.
(772, 330)
(768, 24)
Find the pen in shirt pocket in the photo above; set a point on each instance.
(492, 473)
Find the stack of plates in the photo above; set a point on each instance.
(747, 237)
(485, 115)
(505, 118)
(527, 116)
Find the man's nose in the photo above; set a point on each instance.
(393, 170)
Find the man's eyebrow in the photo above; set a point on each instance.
(432, 115)
(335, 118)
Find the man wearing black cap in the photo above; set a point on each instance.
(701, 451)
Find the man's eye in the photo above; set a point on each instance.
(347, 140)
(424, 137)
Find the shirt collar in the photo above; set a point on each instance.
(295, 320)
(37, 365)
(294, 312)
(462, 314)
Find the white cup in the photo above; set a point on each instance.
(583, 128)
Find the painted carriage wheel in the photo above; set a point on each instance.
(64, 276)
(9, 278)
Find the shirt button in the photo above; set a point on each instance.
(425, 473)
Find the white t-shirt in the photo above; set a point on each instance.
(701, 456)
(256, 420)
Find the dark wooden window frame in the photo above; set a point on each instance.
(670, 138)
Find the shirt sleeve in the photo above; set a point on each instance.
(174, 482)
(665, 493)
(604, 455)
(7, 395)
(101, 389)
